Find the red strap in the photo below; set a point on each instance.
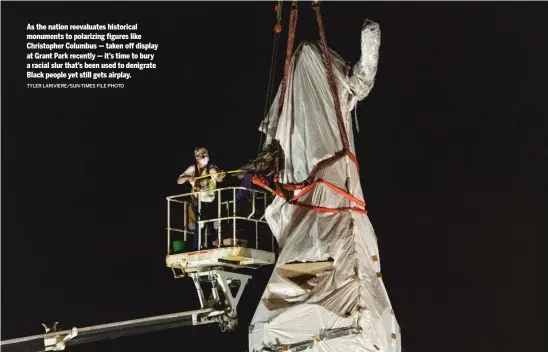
(262, 183)
(339, 190)
(331, 79)
(330, 210)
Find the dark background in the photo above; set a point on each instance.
(451, 145)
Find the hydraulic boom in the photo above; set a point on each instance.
(220, 308)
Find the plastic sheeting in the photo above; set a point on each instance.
(297, 308)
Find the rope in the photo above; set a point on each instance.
(270, 86)
(272, 73)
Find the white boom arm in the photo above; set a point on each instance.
(220, 309)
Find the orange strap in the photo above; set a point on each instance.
(330, 210)
(262, 183)
(309, 183)
(339, 190)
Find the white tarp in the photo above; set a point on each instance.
(350, 293)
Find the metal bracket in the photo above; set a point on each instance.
(229, 280)
(222, 299)
(178, 276)
(57, 342)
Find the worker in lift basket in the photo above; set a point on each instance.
(206, 196)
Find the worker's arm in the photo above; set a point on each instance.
(186, 176)
(183, 179)
(214, 173)
(363, 73)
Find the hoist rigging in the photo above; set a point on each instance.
(306, 289)
(273, 61)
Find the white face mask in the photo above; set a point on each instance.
(204, 161)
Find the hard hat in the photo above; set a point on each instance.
(200, 152)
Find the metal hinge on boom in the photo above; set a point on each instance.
(226, 291)
(57, 342)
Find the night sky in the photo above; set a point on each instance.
(451, 147)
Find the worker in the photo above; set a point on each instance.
(205, 192)
(243, 201)
(245, 181)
